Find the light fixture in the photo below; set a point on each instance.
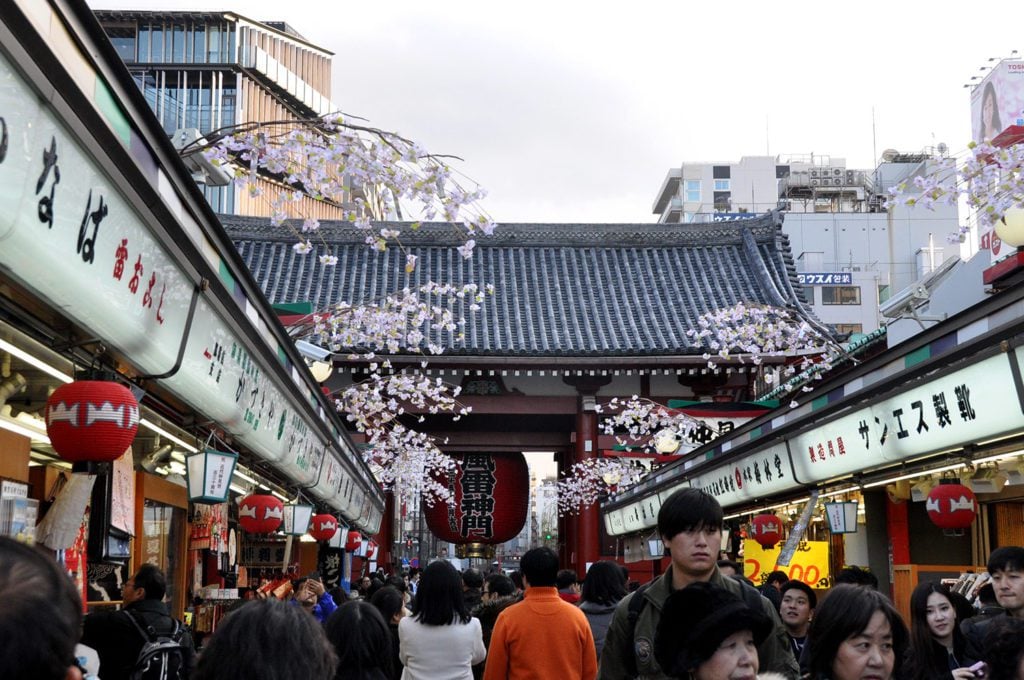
(919, 492)
(12, 425)
(655, 546)
(1014, 473)
(296, 519)
(842, 517)
(164, 433)
(208, 475)
(238, 489)
(37, 363)
(321, 370)
(987, 480)
(1011, 227)
(244, 475)
(998, 457)
(915, 475)
(281, 496)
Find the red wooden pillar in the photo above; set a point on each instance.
(588, 548)
(566, 523)
(899, 531)
(385, 538)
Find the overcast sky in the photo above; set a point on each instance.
(574, 112)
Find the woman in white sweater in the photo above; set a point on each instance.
(440, 641)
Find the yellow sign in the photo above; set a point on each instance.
(809, 564)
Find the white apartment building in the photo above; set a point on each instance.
(851, 250)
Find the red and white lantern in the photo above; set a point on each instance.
(260, 513)
(766, 529)
(490, 500)
(323, 527)
(354, 543)
(91, 420)
(951, 506)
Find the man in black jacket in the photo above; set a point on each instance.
(1006, 566)
(116, 639)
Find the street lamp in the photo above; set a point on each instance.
(1010, 228)
(208, 475)
(842, 517)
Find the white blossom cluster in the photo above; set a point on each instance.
(633, 421)
(592, 478)
(322, 157)
(991, 178)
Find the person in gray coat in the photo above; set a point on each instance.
(602, 589)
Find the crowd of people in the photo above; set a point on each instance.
(699, 620)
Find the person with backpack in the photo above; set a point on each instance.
(690, 525)
(141, 640)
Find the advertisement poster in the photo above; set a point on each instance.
(122, 495)
(809, 563)
(998, 101)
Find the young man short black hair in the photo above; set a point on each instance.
(540, 567)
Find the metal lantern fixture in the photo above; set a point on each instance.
(952, 506)
(766, 529)
(323, 527)
(842, 517)
(208, 475)
(296, 518)
(655, 546)
(260, 513)
(91, 420)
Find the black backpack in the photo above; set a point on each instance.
(162, 656)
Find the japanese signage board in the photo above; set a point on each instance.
(68, 234)
(754, 476)
(825, 278)
(968, 405)
(713, 421)
(809, 562)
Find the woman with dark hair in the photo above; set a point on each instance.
(603, 587)
(709, 633)
(989, 126)
(936, 643)
(391, 605)
(856, 633)
(270, 640)
(440, 639)
(362, 642)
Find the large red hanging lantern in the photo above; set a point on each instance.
(766, 529)
(260, 513)
(323, 527)
(354, 541)
(91, 420)
(951, 506)
(490, 500)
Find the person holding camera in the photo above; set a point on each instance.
(309, 593)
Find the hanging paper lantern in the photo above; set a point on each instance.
(951, 505)
(91, 420)
(354, 542)
(322, 527)
(260, 513)
(490, 500)
(767, 530)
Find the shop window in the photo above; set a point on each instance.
(840, 295)
(162, 527)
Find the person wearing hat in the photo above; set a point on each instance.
(709, 633)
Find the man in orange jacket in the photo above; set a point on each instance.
(543, 636)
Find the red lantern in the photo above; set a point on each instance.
(91, 420)
(489, 506)
(354, 541)
(371, 551)
(951, 506)
(260, 513)
(767, 530)
(323, 527)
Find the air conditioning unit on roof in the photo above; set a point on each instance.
(814, 172)
(837, 171)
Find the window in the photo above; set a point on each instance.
(123, 40)
(883, 293)
(840, 295)
(692, 191)
(848, 328)
(723, 201)
(721, 171)
(722, 185)
(809, 294)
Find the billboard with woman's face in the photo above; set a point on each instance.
(998, 102)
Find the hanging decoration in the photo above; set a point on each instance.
(354, 543)
(260, 513)
(490, 498)
(952, 506)
(766, 529)
(91, 420)
(323, 527)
